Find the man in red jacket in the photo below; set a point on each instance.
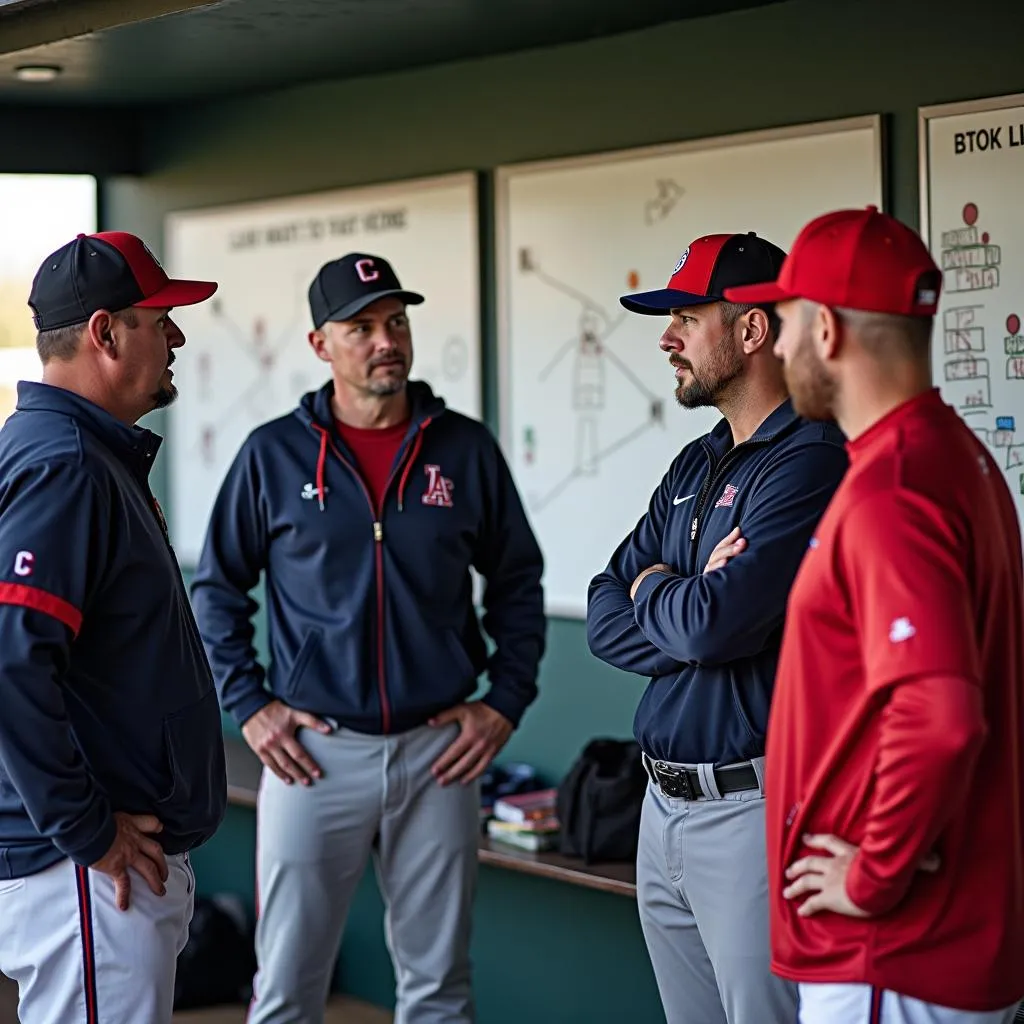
(895, 801)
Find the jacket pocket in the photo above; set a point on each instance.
(195, 760)
(310, 645)
(463, 663)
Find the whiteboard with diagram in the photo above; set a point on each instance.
(589, 418)
(247, 358)
(972, 216)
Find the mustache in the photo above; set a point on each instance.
(679, 361)
(170, 358)
(387, 357)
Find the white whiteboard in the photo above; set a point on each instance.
(247, 359)
(972, 216)
(589, 418)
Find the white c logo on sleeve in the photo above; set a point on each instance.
(366, 272)
(23, 563)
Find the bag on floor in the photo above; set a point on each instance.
(217, 965)
(599, 802)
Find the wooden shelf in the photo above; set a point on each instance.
(615, 878)
(244, 771)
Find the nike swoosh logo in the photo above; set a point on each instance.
(679, 501)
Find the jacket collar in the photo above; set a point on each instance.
(315, 407)
(134, 446)
(780, 419)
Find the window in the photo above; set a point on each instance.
(41, 213)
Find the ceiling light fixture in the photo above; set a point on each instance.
(37, 72)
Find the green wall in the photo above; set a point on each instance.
(546, 951)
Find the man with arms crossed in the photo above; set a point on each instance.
(707, 633)
(895, 807)
(111, 752)
(366, 508)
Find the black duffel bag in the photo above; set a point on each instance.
(599, 802)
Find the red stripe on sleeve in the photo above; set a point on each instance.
(41, 601)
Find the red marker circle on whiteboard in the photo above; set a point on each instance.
(971, 214)
(1013, 323)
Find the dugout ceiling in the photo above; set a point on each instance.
(146, 52)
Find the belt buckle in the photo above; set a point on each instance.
(675, 782)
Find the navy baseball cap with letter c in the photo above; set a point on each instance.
(110, 270)
(708, 266)
(345, 286)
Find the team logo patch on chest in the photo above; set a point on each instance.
(439, 488)
(728, 497)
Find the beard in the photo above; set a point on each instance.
(390, 382)
(706, 385)
(813, 391)
(165, 394)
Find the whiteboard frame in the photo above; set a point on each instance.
(506, 173)
(939, 110)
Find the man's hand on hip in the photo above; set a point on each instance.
(482, 733)
(132, 848)
(824, 877)
(271, 734)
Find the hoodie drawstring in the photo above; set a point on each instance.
(408, 463)
(321, 462)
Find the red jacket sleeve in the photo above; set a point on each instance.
(905, 565)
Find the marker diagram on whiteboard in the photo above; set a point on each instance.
(590, 421)
(971, 264)
(974, 219)
(592, 360)
(247, 358)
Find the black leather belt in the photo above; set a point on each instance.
(684, 783)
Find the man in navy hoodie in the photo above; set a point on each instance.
(111, 751)
(365, 509)
(694, 598)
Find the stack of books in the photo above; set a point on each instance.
(527, 820)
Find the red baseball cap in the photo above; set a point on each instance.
(109, 270)
(855, 259)
(708, 266)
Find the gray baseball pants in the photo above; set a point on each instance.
(376, 799)
(702, 888)
(77, 958)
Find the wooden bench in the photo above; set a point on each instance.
(244, 770)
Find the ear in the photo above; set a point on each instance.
(318, 343)
(100, 333)
(827, 333)
(755, 331)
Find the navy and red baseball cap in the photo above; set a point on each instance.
(708, 267)
(110, 270)
(345, 286)
(855, 259)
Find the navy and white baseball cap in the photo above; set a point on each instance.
(707, 267)
(109, 270)
(343, 287)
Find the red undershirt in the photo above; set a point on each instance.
(374, 450)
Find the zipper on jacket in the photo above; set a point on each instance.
(714, 473)
(378, 557)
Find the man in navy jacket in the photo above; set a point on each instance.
(365, 509)
(111, 752)
(694, 598)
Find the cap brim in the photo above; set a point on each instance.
(755, 294)
(663, 301)
(350, 309)
(179, 293)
